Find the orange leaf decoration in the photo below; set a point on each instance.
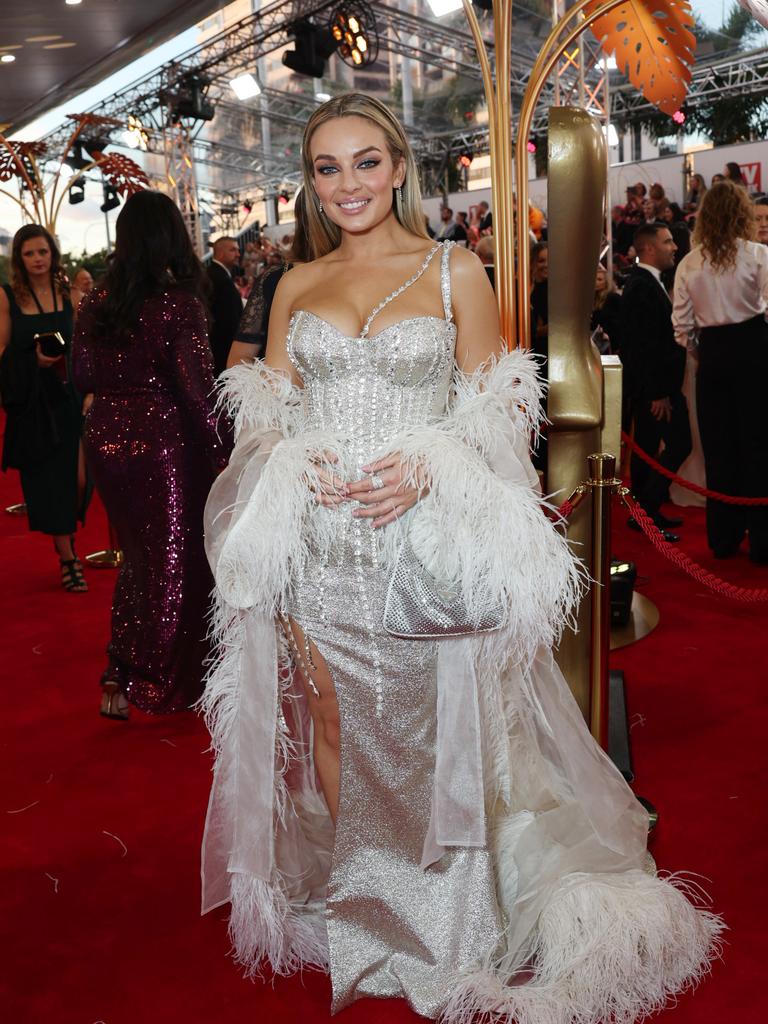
(653, 46)
(122, 172)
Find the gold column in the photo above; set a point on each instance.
(576, 185)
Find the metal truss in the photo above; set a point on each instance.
(743, 74)
(447, 47)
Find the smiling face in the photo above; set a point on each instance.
(761, 220)
(354, 173)
(36, 256)
(601, 279)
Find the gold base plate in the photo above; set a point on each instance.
(108, 559)
(643, 619)
(16, 510)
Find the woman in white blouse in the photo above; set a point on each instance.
(721, 296)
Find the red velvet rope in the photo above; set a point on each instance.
(682, 561)
(728, 499)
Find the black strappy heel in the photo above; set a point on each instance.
(72, 579)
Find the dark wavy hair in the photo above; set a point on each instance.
(19, 277)
(153, 254)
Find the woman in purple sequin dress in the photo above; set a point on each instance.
(141, 347)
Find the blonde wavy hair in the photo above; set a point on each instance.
(724, 216)
(324, 235)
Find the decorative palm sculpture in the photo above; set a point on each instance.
(42, 191)
(653, 46)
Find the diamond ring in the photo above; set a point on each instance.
(376, 482)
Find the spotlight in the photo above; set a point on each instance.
(247, 205)
(283, 198)
(441, 7)
(111, 199)
(76, 193)
(466, 156)
(188, 98)
(135, 135)
(314, 45)
(622, 587)
(76, 160)
(8, 58)
(530, 146)
(95, 146)
(678, 117)
(245, 87)
(353, 27)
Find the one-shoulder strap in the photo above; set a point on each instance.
(445, 280)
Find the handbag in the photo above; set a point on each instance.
(52, 344)
(421, 607)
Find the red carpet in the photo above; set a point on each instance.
(103, 819)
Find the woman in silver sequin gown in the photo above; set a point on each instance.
(427, 819)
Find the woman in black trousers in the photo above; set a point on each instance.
(721, 297)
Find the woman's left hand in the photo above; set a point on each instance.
(384, 504)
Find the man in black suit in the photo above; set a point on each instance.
(654, 365)
(226, 302)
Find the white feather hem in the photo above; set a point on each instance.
(609, 948)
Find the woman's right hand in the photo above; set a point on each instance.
(332, 489)
(44, 362)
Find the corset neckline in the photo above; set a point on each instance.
(370, 338)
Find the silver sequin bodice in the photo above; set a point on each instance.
(367, 389)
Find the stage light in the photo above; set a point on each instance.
(135, 134)
(76, 193)
(111, 199)
(247, 205)
(322, 97)
(678, 117)
(95, 146)
(8, 58)
(314, 45)
(466, 156)
(284, 198)
(353, 27)
(188, 98)
(441, 7)
(76, 161)
(530, 146)
(245, 87)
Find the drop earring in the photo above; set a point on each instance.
(400, 193)
(320, 205)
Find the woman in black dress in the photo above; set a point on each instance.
(43, 409)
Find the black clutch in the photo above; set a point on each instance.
(52, 344)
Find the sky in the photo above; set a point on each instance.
(83, 226)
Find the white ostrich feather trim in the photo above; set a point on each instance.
(609, 947)
(256, 397)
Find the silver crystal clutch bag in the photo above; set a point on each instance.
(421, 607)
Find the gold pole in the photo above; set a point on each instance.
(550, 53)
(499, 102)
(603, 484)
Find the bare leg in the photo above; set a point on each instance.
(324, 709)
(63, 545)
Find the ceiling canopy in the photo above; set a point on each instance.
(61, 48)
